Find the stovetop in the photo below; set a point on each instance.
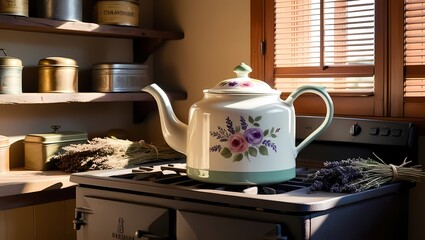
(345, 138)
(174, 174)
(170, 181)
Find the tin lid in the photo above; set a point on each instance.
(4, 141)
(8, 61)
(57, 62)
(119, 65)
(242, 84)
(56, 136)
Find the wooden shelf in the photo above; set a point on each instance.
(145, 42)
(46, 98)
(43, 25)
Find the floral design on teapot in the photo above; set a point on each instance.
(245, 140)
(235, 84)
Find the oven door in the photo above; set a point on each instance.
(108, 219)
(195, 226)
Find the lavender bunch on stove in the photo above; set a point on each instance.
(110, 153)
(356, 175)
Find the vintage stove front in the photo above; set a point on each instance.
(158, 200)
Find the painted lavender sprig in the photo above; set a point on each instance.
(222, 135)
(230, 126)
(244, 125)
(270, 144)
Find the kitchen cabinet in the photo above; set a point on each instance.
(49, 221)
(120, 221)
(192, 226)
(145, 42)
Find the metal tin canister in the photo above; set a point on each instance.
(4, 154)
(14, 7)
(40, 147)
(119, 77)
(10, 74)
(57, 74)
(118, 12)
(68, 10)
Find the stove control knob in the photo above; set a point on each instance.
(355, 129)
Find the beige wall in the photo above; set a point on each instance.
(217, 38)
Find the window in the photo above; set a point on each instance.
(368, 53)
(414, 57)
(324, 42)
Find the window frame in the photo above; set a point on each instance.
(376, 105)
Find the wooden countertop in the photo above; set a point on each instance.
(21, 187)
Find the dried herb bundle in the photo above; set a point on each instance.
(110, 153)
(356, 175)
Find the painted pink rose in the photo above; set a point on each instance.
(246, 84)
(237, 143)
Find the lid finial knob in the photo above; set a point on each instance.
(242, 70)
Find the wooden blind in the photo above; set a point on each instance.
(325, 42)
(414, 48)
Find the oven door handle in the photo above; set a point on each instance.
(79, 218)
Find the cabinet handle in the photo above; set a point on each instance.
(144, 234)
(78, 220)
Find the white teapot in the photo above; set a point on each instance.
(240, 133)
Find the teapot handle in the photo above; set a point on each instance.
(329, 111)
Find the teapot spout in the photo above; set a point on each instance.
(173, 130)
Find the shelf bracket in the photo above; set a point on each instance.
(142, 109)
(144, 47)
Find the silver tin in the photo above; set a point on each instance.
(68, 10)
(10, 74)
(119, 77)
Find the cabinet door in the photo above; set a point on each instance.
(109, 219)
(191, 226)
(53, 222)
(20, 223)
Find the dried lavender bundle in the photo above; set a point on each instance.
(110, 153)
(356, 175)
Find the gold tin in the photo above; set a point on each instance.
(120, 12)
(14, 7)
(39, 148)
(4, 154)
(10, 74)
(119, 77)
(58, 75)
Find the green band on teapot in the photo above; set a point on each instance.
(241, 178)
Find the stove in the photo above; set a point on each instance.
(158, 201)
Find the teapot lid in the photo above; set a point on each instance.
(242, 83)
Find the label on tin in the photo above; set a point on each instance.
(14, 7)
(118, 12)
(120, 83)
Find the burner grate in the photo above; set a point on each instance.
(176, 176)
